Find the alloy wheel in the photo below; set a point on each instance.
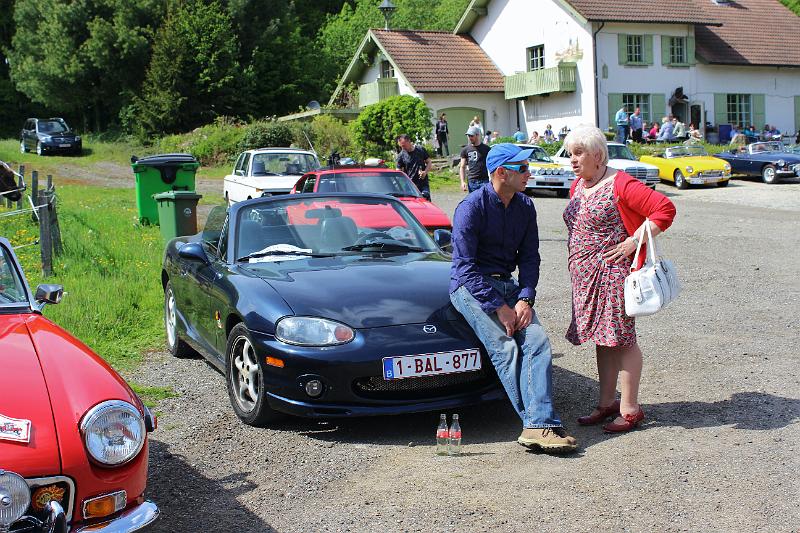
(169, 318)
(768, 174)
(244, 374)
(22, 148)
(680, 180)
(39, 149)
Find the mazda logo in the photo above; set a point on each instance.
(429, 328)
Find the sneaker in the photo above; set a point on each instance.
(552, 440)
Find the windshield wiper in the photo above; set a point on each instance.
(283, 252)
(383, 246)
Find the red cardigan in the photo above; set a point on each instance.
(636, 202)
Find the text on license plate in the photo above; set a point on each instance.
(431, 364)
(64, 145)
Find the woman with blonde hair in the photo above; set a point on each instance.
(476, 121)
(605, 221)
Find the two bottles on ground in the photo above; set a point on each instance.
(448, 440)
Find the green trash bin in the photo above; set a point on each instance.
(161, 173)
(177, 211)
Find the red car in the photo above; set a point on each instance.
(376, 180)
(73, 435)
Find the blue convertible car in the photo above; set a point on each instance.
(323, 305)
(770, 160)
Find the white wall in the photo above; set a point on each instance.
(498, 115)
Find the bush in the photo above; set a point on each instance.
(329, 134)
(378, 125)
(506, 139)
(212, 144)
(266, 134)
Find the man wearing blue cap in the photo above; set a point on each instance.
(494, 233)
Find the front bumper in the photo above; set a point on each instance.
(550, 182)
(705, 177)
(67, 146)
(134, 519)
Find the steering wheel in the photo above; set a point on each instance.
(374, 235)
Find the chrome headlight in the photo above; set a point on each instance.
(113, 432)
(312, 331)
(781, 163)
(538, 171)
(15, 497)
(689, 170)
(727, 167)
(652, 172)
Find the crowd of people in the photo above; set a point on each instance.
(634, 128)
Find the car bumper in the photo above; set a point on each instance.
(62, 147)
(552, 183)
(701, 179)
(134, 519)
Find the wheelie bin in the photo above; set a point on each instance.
(161, 173)
(177, 211)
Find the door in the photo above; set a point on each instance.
(696, 117)
(681, 110)
(458, 119)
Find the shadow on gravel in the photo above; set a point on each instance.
(189, 501)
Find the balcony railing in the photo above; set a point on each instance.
(558, 79)
(381, 89)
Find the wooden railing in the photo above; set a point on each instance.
(562, 78)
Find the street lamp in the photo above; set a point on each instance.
(387, 8)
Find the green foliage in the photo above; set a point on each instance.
(330, 134)
(212, 144)
(506, 139)
(552, 148)
(794, 5)
(265, 134)
(378, 125)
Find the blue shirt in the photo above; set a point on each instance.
(490, 238)
(636, 122)
(621, 118)
(519, 136)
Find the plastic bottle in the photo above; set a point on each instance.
(455, 437)
(442, 436)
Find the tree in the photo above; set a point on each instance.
(378, 125)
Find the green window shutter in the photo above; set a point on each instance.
(648, 49)
(797, 113)
(759, 117)
(614, 103)
(665, 49)
(622, 47)
(690, 51)
(720, 108)
(658, 107)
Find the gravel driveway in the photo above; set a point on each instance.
(718, 450)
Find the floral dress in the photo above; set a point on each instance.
(598, 304)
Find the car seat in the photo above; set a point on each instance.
(251, 237)
(258, 168)
(293, 168)
(336, 233)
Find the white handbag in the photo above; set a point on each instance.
(655, 285)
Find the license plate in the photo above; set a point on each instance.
(431, 364)
(550, 180)
(64, 145)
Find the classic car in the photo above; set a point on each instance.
(620, 157)
(378, 180)
(73, 435)
(49, 135)
(267, 171)
(309, 313)
(689, 165)
(770, 160)
(546, 174)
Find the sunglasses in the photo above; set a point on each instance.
(522, 169)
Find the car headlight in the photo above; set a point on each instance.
(77, 138)
(727, 167)
(689, 170)
(538, 171)
(312, 331)
(113, 432)
(15, 497)
(652, 172)
(781, 163)
(45, 137)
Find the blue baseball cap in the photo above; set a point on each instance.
(505, 152)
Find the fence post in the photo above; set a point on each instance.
(22, 193)
(34, 191)
(49, 181)
(45, 240)
(55, 230)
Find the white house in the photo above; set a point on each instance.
(567, 62)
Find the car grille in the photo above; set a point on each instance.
(375, 387)
(637, 172)
(711, 174)
(59, 488)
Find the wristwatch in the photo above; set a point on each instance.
(528, 301)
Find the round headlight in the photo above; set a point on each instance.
(312, 331)
(15, 497)
(781, 163)
(113, 432)
(689, 170)
(727, 166)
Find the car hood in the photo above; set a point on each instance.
(363, 291)
(426, 212)
(65, 135)
(699, 162)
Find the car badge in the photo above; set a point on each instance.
(15, 429)
(428, 328)
(44, 495)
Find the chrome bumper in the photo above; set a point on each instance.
(133, 519)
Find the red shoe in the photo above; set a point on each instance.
(602, 414)
(625, 423)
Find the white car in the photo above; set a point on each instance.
(546, 174)
(619, 158)
(267, 170)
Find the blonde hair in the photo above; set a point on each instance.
(590, 138)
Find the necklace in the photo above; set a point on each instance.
(588, 185)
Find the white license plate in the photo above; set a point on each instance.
(64, 145)
(431, 364)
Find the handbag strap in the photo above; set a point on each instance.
(652, 251)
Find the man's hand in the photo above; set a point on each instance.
(463, 186)
(524, 314)
(507, 317)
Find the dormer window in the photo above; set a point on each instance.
(387, 70)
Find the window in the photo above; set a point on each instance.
(677, 50)
(308, 185)
(634, 49)
(633, 100)
(739, 109)
(387, 70)
(535, 58)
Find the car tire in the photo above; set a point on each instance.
(768, 174)
(176, 346)
(244, 375)
(22, 148)
(723, 183)
(680, 180)
(39, 148)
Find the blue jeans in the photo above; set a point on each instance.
(523, 362)
(622, 133)
(474, 185)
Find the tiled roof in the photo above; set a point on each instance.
(753, 32)
(434, 61)
(671, 11)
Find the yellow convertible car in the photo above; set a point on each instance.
(689, 165)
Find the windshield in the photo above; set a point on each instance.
(329, 225)
(393, 183)
(12, 291)
(540, 155)
(52, 126)
(276, 163)
(695, 150)
(776, 146)
(620, 152)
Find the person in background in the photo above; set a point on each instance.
(476, 121)
(735, 130)
(653, 133)
(519, 136)
(493, 138)
(678, 129)
(473, 171)
(494, 234)
(441, 135)
(548, 134)
(666, 133)
(636, 125)
(535, 139)
(750, 133)
(415, 162)
(695, 135)
(623, 125)
(605, 224)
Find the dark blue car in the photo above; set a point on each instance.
(769, 160)
(323, 305)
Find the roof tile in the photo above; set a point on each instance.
(672, 11)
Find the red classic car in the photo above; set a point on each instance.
(380, 180)
(73, 435)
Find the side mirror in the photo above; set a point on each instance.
(426, 195)
(443, 239)
(49, 294)
(193, 251)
